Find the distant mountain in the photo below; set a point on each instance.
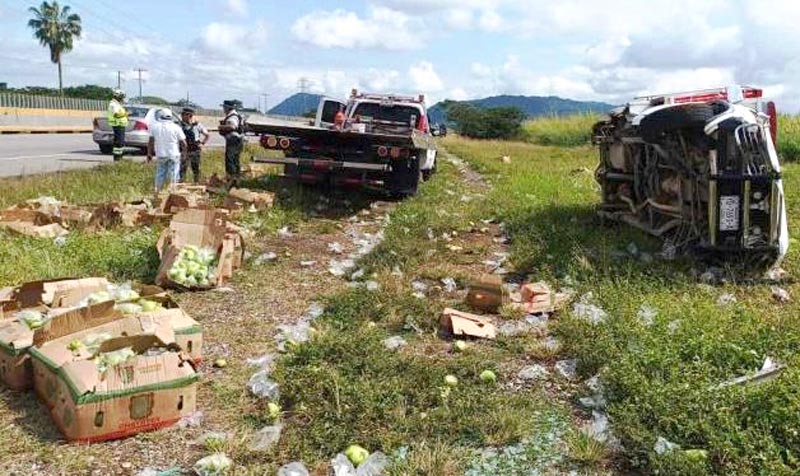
(532, 105)
(296, 104)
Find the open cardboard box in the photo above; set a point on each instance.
(151, 390)
(204, 229)
(244, 198)
(53, 293)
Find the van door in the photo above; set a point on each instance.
(326, 111)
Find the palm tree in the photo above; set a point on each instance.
(55, 27)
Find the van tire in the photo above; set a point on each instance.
(691, 116)
(106, 149)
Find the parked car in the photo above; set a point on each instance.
(698, 169)
(137, 133)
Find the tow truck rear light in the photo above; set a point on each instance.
(422, 125)
(284, 142)
(772, 112)
(397, 152)
(140, 126)
(383, 151)
(752, 93)
(269, 142)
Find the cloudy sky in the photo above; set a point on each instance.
(459, 49)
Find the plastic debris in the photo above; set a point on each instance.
(769, 370)
(599, 428)
(589, 312)
(336, 248)
(533, 372)
(192, 420)
(647, 314)
(781, 295)
(308, 263)
(449, 284)
(726, 300)
(265, 258)
(372, 286)
(266, 437)
(567, 368)
(294, 468)
(289, 334)
(513, 329)
(60, 240)
(776, 274)
(551, 343)
(374, 465)
(419, 286)
(285, 232)
(264, 362)
(261, 386)
(213, 465)
(394, 342)
(663, 445)
(340, 268)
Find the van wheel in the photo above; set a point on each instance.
(106, 149)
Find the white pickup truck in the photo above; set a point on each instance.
(698, 169)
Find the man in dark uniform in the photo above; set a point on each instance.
(232, 129)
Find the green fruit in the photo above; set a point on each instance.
(488, 376)
(459, 346)
(274, 410)
(696, 456)
(450, 380)
(220, 363)
(356, 454)
(149, 306)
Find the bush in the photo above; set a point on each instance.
(789, 137)
(566, 131)
(492, 123)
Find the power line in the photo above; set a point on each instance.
(140, 71)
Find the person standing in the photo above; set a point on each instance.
(168, 143)
(196, 137)
(118, 121)
(232, 129)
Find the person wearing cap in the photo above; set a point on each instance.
(232, 129)
(196, 137)
(118, 121)
(168, 143)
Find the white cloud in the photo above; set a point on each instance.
(424, 77)
(237, 7)
(226, 40)
(490, 20)
(383, 28)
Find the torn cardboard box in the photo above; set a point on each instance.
(54, 293)
(537, 298)
(460, 323)
(183, 196)
(486, 293)
(31, 223)
(245, 198)
(120, 387)
(203, 230)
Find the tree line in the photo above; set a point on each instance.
(488, 123)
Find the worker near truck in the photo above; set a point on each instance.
(196, 137)
(168, 143)
(232, 129)
(118, 121)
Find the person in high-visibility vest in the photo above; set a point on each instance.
(118, 121)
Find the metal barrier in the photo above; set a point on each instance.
(30, 101)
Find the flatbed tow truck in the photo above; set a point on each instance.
(376, 141)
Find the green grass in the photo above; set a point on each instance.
(660, 382)
(789, 137)
(567, 131)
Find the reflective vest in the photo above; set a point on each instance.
(117, 114)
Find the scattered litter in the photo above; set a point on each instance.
(537, 298)
(357, 275)
(372, 286)
(726, 300)
(781, 295)
(336, 248)
(537, 320)
(768, 371)
(776, 274)
(60, 241)
(647, 314)
(533, 372)
(314, 310)
(340, 268)
(463, 323)
(514, 328)
(419, 286)
(449, 284)
(285, 232)
(294, 468)
(551, 343)
(191, 420)
(224, 289)
(589, 312)
(264, 362)
(308, 264)
(292, 334)
(663, 446)
(266, 437)
(673, 326)
(213, 465)
(505, 159)
(712, 275)
(567, 368)
(373, 465)
(265, 258)
(261, 386)
(394, 342)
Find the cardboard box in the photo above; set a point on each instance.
(460, 323)
(54, 293)
(242, 197)
(151, 390)
(537, 298)
(486, 293)
(204, 229)
(16, 339)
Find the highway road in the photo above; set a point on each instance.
(26, 154)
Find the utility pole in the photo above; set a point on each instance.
(119, 79)
(265, 95)
(140, 71)
(303, 85)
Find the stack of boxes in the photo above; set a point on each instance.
(101, 373)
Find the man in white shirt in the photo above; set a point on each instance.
(168, 143)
